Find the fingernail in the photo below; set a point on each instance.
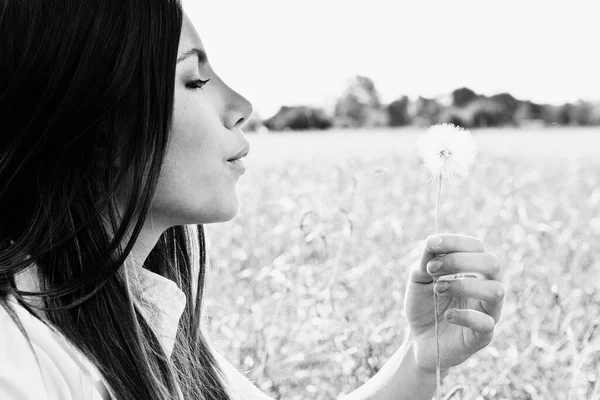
(450, 314)
(435, 241)
(435, 265)
(441, 287)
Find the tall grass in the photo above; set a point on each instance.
(307, 282)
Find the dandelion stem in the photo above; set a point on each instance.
(438, 379)
(437, 203)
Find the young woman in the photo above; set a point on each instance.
(118, 142)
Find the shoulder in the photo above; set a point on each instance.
(40, 368)
(20, 376)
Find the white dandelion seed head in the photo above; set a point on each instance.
(447, 150)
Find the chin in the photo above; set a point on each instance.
(225, 213)
(226, 217)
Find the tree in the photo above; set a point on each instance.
(584, 113)
(462, 96)
(427, 111)
(526, 112)
(360, 105)
(556, 115)
(298, 118)
(398, 112)
(506, 107)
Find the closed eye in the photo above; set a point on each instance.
(197, 84)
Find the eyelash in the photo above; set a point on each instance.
(197, 84)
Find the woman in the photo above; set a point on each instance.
(118, 143)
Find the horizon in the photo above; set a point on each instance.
(537, 51)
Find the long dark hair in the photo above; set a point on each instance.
(86, 104)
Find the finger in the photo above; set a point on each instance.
(480, 323)
(418, 275)
(452, 243)
(485, 264)
(447, 243)
(490, 293)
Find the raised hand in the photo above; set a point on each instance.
(463, 332)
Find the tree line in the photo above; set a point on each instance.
(360, 106)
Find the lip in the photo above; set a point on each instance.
(237, 165)
(242, 153)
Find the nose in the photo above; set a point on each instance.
(239, 110)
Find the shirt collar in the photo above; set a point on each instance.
(162, 302)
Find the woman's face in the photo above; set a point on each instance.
(197, 183)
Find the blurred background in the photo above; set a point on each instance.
(341, 63)
(306, 284)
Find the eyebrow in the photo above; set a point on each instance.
(202, 59)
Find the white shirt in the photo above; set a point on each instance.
(64, 373)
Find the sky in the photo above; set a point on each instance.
(281, 52)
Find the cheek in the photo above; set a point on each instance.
(195, 184)
(194, 188)
(195, 147)
(187, 187)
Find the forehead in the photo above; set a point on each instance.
(189, 36)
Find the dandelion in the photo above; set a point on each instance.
(447, 150)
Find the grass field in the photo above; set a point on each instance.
(311, 304)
